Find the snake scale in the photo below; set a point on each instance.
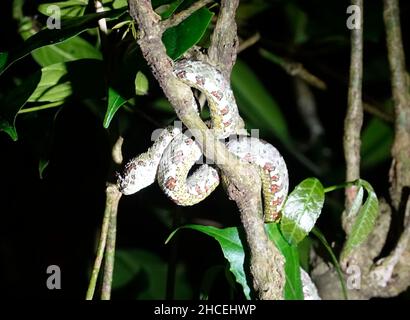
(173, 154)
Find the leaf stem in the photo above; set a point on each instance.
(322, 239)
(42, 107)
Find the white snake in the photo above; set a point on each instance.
(174, 153)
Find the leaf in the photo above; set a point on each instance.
(166, 10)
(141, 84)
(364, 222)
(13, 102)
(182, 37)
(59, 80)
(377, 139)
(70, 8)
(302, 209)
(115, 101)
(42, 165)
(120, 4)
(232, 249)
(256, 103)
(293, 286)
(150, 272)
(72, 49)
(52, 84)
(297, 22)
(70, 28)
(3, 59)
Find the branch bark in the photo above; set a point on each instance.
(354, 116)
(390, 275)
(266, 261)
(400, 168)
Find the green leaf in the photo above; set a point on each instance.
(61, 80)
(377, 139)
(297, 22)
(163, 105)
(70, 27)
(182, 37)
(3, 59)
(232, 249)
(13, 102)
(141, 84)
(42, 165)
(151, 273)
(256, 103)
(115, 101)
(120, 4)
(293, 286)
(364, 222)
(53, 83)
(302, 209)
(72, 49)
(70, 8)
(166, 10)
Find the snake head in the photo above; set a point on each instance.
(137, 175)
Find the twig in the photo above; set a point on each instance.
(377, 112)
(354, 116)
(113, 197)
(266, 261)
(294, 69)
(224, 40)
(100, 250)
(181, 16)
(245, 44)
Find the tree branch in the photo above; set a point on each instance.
(266, 261)
(224, 42)
(354, 116)
(400, 168)
(113, 197)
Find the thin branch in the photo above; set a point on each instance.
(100, 250)
(224, 41)
(373, 110)
(113, 198)
(181, 16)
(268, 273)
(245, 44)
(354, 116)
(294, 69)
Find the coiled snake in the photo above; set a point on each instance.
(173, 153)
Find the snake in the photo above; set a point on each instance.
(174, 152)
